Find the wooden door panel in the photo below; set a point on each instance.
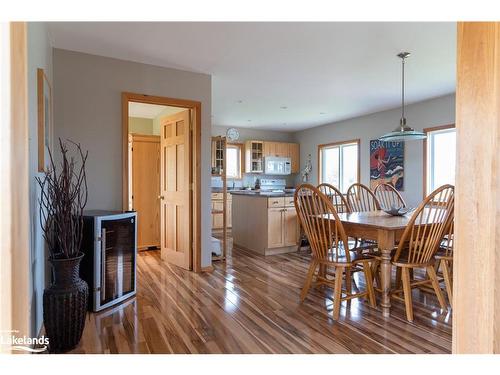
(145, 162)
(275, 227)
(294, 154)
(177, 200)
(291, 227)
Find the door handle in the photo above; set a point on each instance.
(161, 197)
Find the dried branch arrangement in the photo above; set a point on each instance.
(62, 200)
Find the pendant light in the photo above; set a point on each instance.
(403, 132)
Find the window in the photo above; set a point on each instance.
(233, 160)
(339, 164)
(440, 153)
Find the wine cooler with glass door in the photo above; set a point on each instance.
(109, 265)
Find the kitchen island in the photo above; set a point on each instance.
(264, 222)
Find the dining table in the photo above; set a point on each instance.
(383, 228)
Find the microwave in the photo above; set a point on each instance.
(277, 166)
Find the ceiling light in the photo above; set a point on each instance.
(284, 107)
(249, 120)
(403, 132)
(322, 113)
(239, 101)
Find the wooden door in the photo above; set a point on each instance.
(176, 195)
(294, 154)
(145, 160)
(290, 226)
(275, 227)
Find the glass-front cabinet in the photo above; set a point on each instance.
(218, 150)
(254, 157)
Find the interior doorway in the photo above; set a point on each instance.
(161, 175)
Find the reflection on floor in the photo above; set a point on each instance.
(250, 304)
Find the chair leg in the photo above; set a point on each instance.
(348, 281)
(337, 293)
(435, 284)
(405, 276)
(369, 284)
(309, 277)
(398, 277)
(447, 280)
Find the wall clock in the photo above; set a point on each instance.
(232, 134)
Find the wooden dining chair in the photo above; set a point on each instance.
(330, 248)
(420, 242)
(444, 260)
(388, 196)
(336, 197)
(361, 198)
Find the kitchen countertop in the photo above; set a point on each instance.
(261, 194)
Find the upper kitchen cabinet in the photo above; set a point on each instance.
(256, 151)
(294, 154)
(254, 156)
(276, 149)
(218, 150)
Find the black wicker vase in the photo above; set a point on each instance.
(65, 305)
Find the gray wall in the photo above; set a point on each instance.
(39, 56)
(429, 113)
(256, 135)
(88, 109)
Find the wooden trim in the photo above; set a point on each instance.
(242, 159)
(40, 78)
(332, 144)
(19, 181)
(207, 269)
(424, 145)
(145, 137)
(195, 108)
(476, 260)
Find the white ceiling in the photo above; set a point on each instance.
(150, 111)
(321, 72)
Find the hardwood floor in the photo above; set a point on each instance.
(250, 304)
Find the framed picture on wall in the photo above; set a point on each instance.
(387, 164)
(44, 100)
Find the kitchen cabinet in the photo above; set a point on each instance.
(218, 151)
(291, 227)
(266, 225)
(275, 227)
(282, 227)
(254, 157)
(294, 154)
(256, 151)
(276, 149)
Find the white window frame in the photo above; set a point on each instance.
(429, 155)
(239, 147)
(340, 146)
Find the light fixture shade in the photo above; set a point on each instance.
(403, 134)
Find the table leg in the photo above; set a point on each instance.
(385, 245)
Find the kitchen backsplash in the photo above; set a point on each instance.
(249, 180)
